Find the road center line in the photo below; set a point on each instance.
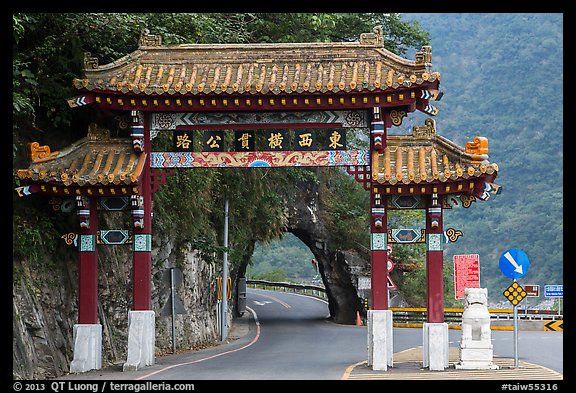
(213, 356)
(273, 298)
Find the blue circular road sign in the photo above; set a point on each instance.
(514, 263)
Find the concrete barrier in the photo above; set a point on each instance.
(523, 325)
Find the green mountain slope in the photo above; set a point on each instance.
(502, 78)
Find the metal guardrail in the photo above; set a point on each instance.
(305, 289)
(454, 315)
(408, 315)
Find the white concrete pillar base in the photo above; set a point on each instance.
(380, 339)
(87, 348)
(435, 346)
(141, 340)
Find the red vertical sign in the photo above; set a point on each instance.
(466, 273)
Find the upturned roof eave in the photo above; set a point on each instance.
(274, 53)
(360, 66)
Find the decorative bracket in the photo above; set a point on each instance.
(137, 131)
(396, 116)
(376, 38)
(147, 39)
(138, 211)
(83, 211)
(39, 153)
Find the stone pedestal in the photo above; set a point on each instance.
(476, 355)
(141, 340)
(87, 348)
(435, 346)
(380, 340)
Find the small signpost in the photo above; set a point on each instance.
(554, 291)
(531, 291)
(466, 273)
(515, 293)
(514, 263)
(173, 277)
(390, 266)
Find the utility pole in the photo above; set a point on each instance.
(173, 308)
(515, 313)
(224, 310)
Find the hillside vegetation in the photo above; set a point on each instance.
(502, 78)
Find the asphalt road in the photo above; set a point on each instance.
(289, 342)
(286, 336)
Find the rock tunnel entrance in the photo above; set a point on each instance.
(329, 270)
(305, 213)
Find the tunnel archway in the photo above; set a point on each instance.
(304, 213)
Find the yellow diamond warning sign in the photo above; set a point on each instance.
(515, 293)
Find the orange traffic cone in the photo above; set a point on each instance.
(358, 320)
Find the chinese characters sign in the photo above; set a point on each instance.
(182, 141)
(213, 141)
(466, 273)
(276, 140)
(244, 140)
(333, 139)
(305, 140)
(337, 140)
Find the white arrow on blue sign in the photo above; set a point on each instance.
(514, 263)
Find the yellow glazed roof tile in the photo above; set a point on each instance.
(425, 157)
(360, 66)
(96, 159)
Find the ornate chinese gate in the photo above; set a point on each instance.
(282, 105)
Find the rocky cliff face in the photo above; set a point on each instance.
(339, 269)
(43, 315)
(45, 305)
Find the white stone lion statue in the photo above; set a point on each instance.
(476, 318)
(476, 345)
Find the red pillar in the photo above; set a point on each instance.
(142, 239)
(378, 221)
(88, 262)
(434, 260)
(379, 279)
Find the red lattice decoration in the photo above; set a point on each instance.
(361, 174)
(158, 177)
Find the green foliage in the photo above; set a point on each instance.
(288, 255)
(275, 275)
(23, 82)
(184, 203)
(345, 213)
(399, 35)
(34, 236)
